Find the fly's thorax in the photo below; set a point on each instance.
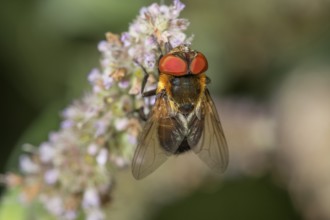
(186, 91)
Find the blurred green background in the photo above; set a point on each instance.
(48, 47)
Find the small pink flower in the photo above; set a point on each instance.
(91, 198)
(92, 149)
(46, 152)
(101, 127)
(126, 39)
(103, 46)
(123, 84)
(178, 7)
(67, 124)
(107, 81)
(51, 176)
(94, 75)
(121, 124)
(102, 157)
(27, 165)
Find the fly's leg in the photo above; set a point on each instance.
(145, 77)
(140, 111)
(158, 45)
(149, 93)
(144, 82)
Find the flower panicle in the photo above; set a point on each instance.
(69, 173)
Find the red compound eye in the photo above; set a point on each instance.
(173, 65)
(198, 64)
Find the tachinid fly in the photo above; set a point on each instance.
(183, 117)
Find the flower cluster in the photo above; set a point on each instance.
(73, 172)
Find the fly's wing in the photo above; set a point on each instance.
(148, 155)
(159, 139)
(206, 137)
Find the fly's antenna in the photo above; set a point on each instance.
(168, 46)
(158, 45)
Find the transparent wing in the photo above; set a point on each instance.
(161, 137)
(211, 146)
(148, 155)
